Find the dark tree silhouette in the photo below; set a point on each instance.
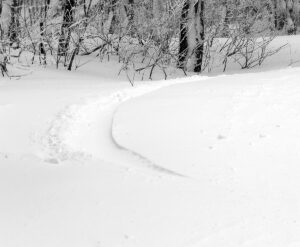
(183, 39)
(68, 20)
(44, 12)
(199, 50)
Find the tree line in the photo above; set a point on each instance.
(145, 35)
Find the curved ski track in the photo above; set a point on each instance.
(56, 141)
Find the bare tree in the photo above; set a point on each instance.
(43, 24)
(65, 35)
(192, 34)
(286, 15)
(1, 30)
(200, 33)
(291, 15)
(183, 39)
(14, 25)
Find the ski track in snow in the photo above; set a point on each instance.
(68, 135)
(149, 162)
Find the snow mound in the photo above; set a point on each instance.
(228, 130)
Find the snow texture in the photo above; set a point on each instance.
(88, 160)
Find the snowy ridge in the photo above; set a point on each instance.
(84, 131)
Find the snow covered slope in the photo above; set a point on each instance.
(87, 160)
(61, 188)
(227, 121)
(238, 137)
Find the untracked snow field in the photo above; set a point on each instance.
(86, 160)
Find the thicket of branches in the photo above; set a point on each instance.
(145, 35)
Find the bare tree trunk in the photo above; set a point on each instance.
(280, 14)
(199, 50)
(183, 39)
(14, 25)
(291, 16)
(286, 15)
(1, 4)
(1, 31)
(130, 15)
(223, 28)
(272, 7)
(68, 20)
(112, 9)
(44, 12)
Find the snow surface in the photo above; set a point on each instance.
(87, 160)
(237, 136)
